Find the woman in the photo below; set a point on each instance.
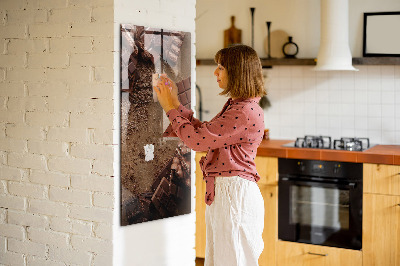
(235, 207)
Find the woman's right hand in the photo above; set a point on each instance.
(174, 89)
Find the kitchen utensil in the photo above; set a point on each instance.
(232, 35)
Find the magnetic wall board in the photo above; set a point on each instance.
(155, 170)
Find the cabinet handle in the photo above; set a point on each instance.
(398, 204)
(318, 254)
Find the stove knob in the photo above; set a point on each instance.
(301, 166)
(336, 169)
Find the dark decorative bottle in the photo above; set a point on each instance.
(290, 49)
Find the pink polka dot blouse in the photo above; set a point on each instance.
(231, 139)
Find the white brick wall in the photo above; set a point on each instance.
(56, 122)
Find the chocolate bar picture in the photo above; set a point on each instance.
(155, 171)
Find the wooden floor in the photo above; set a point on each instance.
(199, 262)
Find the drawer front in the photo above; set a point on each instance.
(381, 179)
(290, 253)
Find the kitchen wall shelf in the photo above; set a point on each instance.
(268, 62)
(376, 61)
(288, 61)
(312, 61)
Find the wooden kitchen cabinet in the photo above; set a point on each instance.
(381, 179)
(200, 209)
(381, 215)
(298, 254)
(267, 168)
(381, 230)
(270, 233)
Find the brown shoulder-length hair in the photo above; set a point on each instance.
(245, 78)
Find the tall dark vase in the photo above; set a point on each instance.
(252, 9)
(269, 38)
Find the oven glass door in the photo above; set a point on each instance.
(316, 208)
(321, 213)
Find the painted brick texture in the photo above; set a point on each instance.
(56, 126)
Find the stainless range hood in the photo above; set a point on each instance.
(334, 51)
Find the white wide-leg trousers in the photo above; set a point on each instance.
(234, 223)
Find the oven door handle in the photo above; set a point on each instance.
(330, 184)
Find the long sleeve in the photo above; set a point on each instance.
(186, 113)
(224, 130)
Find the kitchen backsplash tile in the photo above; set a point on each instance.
(388, 83)
(374, 110)
(387, 71)
(365, 103)
(388, 97)
(388, 110)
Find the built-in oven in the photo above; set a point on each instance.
(320, 202)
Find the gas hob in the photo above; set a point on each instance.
(325, 142)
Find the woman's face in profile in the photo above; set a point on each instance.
(222, 76)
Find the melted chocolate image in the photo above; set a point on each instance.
(155, 183)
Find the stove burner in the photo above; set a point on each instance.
(324, 142)
(351, 144)
(308, 141)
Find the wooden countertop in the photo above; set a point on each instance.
(379, 154)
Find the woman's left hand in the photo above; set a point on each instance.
(163, 91)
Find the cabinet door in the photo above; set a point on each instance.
(200, 209)
(297, 254)
(267, 168)
(381, 179)
(270, 233)
(381, 230)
